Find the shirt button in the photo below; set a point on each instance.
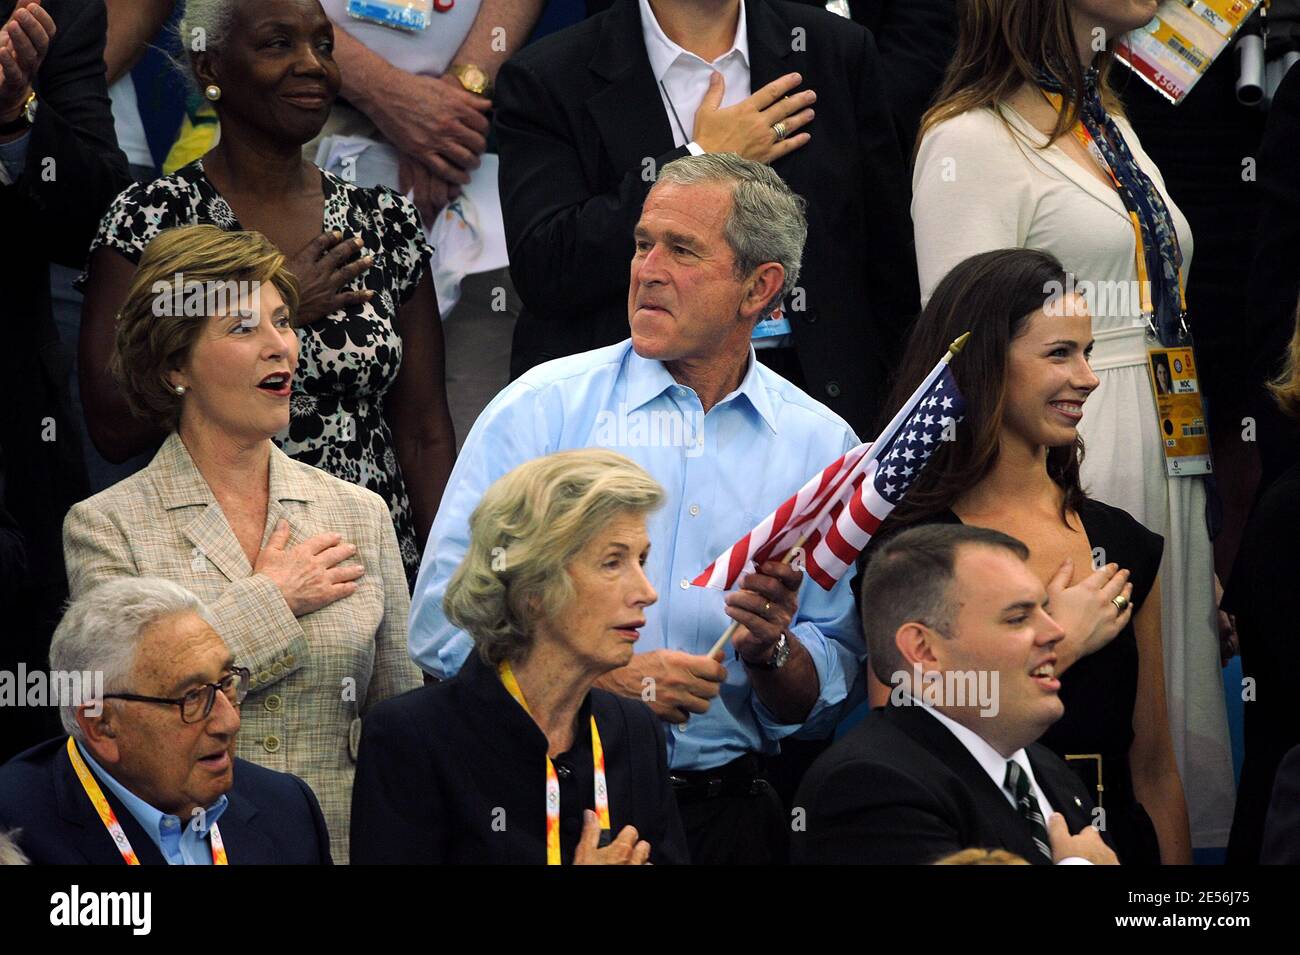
(273, 702)
(271, 744)
(685, 584)
(169, 822)
(695, 510)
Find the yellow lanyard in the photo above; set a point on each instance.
(1081, 133)
(553, 780)
(109, 818)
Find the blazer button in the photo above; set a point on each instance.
(273, 702)
(271, 744)
(810, 316)
(288, 660)
(277, 668)
(833, 389)
(264, 676)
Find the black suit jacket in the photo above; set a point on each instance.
(1282, 830)
(583, 132)
(455, 772)
(899, 788)
(273, 818)
(73, 170)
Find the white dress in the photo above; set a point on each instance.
(978, 187)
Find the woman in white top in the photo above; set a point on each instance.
(998, 166)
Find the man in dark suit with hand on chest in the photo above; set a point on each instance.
(957, 623)
(587, 116)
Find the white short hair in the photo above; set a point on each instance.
(100, 631)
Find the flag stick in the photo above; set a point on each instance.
(953, 350)
(717, 651)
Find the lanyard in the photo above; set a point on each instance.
(553, 780)
(109, 818)
(1144, 284)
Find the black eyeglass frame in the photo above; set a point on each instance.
(241, 693)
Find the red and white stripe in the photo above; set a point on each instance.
(812, 507)
(834, 547)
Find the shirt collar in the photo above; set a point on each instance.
(647, 379)
(990, 760)
(663, 52)
(151, 819)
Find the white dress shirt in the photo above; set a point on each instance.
(683, 77)
(995, 764)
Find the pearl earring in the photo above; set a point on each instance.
(179, 389)
(213, 92)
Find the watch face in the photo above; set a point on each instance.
(475, 79)
(29, 111)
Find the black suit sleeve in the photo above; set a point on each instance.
(863, 812)
(396, 804)
(569, 248)
(916, 39)
(890, 253)
(74, 168)
(1282, 829)
(318, 821)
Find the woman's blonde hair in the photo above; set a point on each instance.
(1285, 388)
(982, 857)
(183, 275)
(1002, 44)
(526, 530)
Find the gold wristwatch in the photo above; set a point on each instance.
(472, 78)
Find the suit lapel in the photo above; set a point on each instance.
(991, 804)
(94, 842)
(629, 113)
(245, 843)
(1059, 790)
(770, 45)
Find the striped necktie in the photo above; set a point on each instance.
(1017, 783)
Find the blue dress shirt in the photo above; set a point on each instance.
(722, 472)
(13, 158)
(181, 841)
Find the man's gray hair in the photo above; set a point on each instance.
(100, 631)
(767, 221)
(204, 27)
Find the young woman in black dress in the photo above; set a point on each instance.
(1014, 467)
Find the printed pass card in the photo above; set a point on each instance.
(409, 15)
(1175, 49)
(1180, 412)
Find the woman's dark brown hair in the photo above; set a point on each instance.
(1002, 44)
(990, 295)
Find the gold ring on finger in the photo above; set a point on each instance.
(780, 130)
(1120, 602)
(767, 607)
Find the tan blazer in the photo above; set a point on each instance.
(313, 676)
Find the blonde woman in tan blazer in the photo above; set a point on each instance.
(301, 569)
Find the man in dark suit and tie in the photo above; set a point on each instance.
(587, 116)
(148, 772)
(957, 624)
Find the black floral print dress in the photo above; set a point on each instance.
(346, 361)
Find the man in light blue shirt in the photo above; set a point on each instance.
(717, 246)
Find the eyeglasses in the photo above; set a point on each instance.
(197, 703)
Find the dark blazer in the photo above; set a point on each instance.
(899, 788)
(272, 817)
(1282, 830)
(583, 132)
(73, 170)
(456, 773)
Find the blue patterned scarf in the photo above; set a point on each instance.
(1140, 196)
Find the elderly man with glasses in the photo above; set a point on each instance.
(147, 773)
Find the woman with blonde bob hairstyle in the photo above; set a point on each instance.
(519, 758)
(301, 570)
(1027, 147)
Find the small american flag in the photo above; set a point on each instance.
(836, 513)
